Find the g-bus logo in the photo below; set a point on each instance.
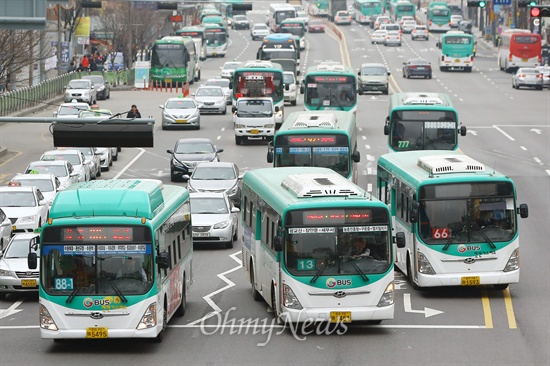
(331, 282)
(106, 301)
(463, 248)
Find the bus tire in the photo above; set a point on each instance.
(255, 294)
(500, 286)
(410, 275)
(160, 336)
(273, 301)
(181, 309)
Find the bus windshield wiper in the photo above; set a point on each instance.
(476, 227)
(117, 291)
(356, 267)
(72, 295)
(453, 236)
(320, 271)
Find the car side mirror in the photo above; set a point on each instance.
(55, 114)
(161, 106)
(170, 151)
(163, 260)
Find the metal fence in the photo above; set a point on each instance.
(28, 97)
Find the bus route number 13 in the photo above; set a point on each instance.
(306, 264)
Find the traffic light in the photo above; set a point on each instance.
(477, 3)
(91, 4)
(540, 11)
(526, 3)
(167, 6)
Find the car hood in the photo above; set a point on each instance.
(15, 264)
(195, 157)
(212, 185)
(20, 211)
(180, 112)
(208, 219)
(65, 181)
(49, 196)
(210, 99)
(367, 78)
(72, 90)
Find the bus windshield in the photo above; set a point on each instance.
(108, 260)
(326, 242)
(467, 213)
(327, 150)
(332, 91)
(169, 55)
(423, 130)
(218, 37)
(296, 29)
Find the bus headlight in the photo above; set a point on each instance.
(513, 262)
(387, 297)
(46, 320)
(289, 299)
(149, 318)
(424, 265)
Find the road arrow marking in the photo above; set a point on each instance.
(472, 132)
(427, 311)
(11, 310)
(536, 130)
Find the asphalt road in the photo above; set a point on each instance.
(508, 130)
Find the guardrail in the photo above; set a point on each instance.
(28, 97)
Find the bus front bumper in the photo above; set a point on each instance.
(366, 313)
(455, 279)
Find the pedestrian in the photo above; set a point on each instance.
(72, 67)
(134, 112)
(85, 63)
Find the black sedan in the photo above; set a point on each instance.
(417, 67)
(102, 86)
(240, 22)
(188, 153)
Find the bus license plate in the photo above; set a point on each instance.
(181, 121)
(457, 60)
(254, 132)
(28, 283)
(201, 235)
(469, 281)
(96, 333)
(340, 316)
(524, 60)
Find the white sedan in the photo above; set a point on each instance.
(26, 207)
(15, 275)
(378, 36)
(214, 218)
(75, 157)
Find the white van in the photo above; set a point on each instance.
(291, 87)
(254, 119)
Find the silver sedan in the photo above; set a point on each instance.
(211, 99)
(214, 218)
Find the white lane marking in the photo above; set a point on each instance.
(208, 298)
(538, 160)
(141, 152)
(427, 311)
(504, 133)
(11, 310)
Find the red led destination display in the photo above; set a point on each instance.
(88, 234)
(329, 79)
(339, 216)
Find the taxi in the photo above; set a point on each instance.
(15, 275)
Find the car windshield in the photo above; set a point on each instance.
(98, 80)
(78, 84)
(288, 78)
(19, 248)
(194, 148)
(528, 71)
(315, 22)
(71, 158)
(224, 83)
(260, 26)
(87, 151)
(69, 110)
(231, 65)
(209, 92)
(418, 62)
(95, 113)
(17, 199)
(374, 70)
(211, 173)
(204, 205)
(239, 17)
(57, 170)
(44, 185)
(180, 104)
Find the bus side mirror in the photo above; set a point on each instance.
(298, 72)
(230, 85)
(32, 260)
(462, 130)
(386, 129)
(302, 89)
(356, 156)
(389, 73)
(523, 211)
(278, 244)
(413, 213)
(270, 157)
(399, 239)
(163, 260)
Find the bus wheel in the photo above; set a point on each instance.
(181, 309)
(160, 336)
(273, 301)
(255, 294)
(500, 286)
(410, 275)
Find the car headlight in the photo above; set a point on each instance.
(222, 225)
(6, 273)
(177, 163)
(26, 219)
(101, 88)
(86, 93)
(240, 126)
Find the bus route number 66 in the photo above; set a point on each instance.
(440, 233)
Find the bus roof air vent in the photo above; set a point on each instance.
(320, 185)
(328, 67)
(442, 164)
(306, 120)
(422, 99)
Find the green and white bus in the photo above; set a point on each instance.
(259, 78)
(330, 86)
(318, 8)
(295, 27)
(216, 40)
(115, 260)
(401, 8)
(364, 9)
(457, 51)
(422, 121)
(459, 217)
(198, 34)
(209, 12)
(439, 18)
(317, 247)
(317, 139)
(173, 60)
